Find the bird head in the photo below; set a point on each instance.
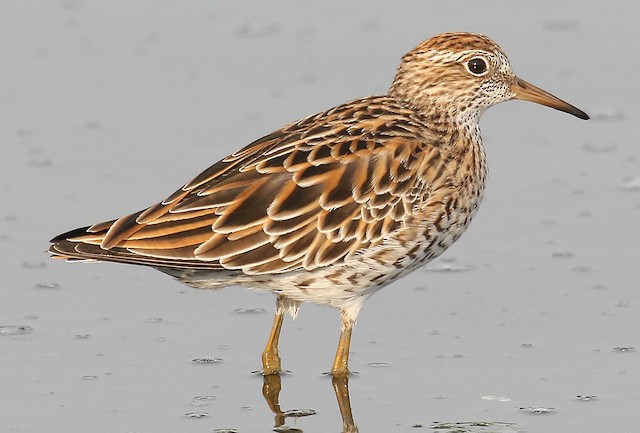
(463, 74)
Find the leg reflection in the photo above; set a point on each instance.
(272, 385)
(341, 388)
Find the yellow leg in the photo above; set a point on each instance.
(270, 357)
(341, 361)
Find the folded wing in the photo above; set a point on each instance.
(311, 194)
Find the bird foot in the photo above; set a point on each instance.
(341, 374)
(271, 371)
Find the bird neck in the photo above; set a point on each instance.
(459, 138)
(436, 105)
(458, 130)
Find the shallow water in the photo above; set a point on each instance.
(529, 323)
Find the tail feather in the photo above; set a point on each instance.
(82, 244)
(80, 232)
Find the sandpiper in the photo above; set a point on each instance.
(331, 208)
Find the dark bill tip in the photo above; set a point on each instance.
(528, 92)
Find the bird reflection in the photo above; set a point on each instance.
(272, 385)
(341, 388)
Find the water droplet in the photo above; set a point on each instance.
(599, 147)
(600, 287)
(631, 184)
(378, 364)
(155, 319)
(298, 413)
(561, 25)
(31, 317)
(47, 286)
(34, 265)
(89, 378)
(24, 132)
(286, 429)
(586, 397)
(160, 339)
(40, 163)
(562, 254)
(581, 269)
(493, 397)
(624, 349)
(91, 124)
(204, 398)
(196, 414)
(538, 410)
(207, 360)
(15, 330)
(70, 5)
(606, 113)
(448, 265)
(263, 30)
(249, 310)
(526, 345)
(82, 336)
(476, 427)
(225, 430)
(623, 304)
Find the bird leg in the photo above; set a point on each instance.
(341, 361)
(270, 357)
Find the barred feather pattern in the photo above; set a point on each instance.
(332, 207)
(359, 194)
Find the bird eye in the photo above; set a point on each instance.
(477, 66)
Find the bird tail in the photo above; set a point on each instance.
(84, 244)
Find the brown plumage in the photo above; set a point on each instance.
(335, 206)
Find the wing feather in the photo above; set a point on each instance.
(306, 196)
(278, 227)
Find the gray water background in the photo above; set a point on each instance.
(107, 107)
